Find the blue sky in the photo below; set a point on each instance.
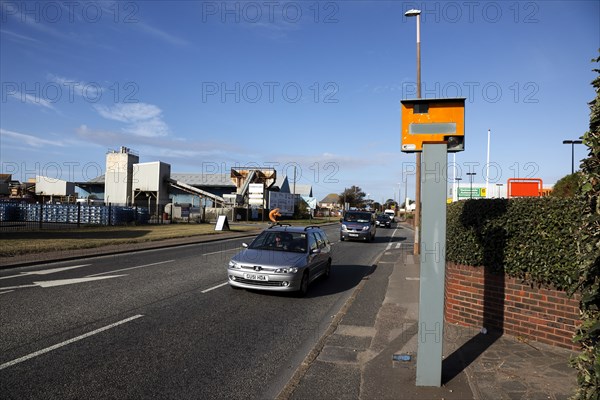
(206, 86)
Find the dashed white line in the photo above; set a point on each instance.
(214, 287)
(67, 342)
(220, 251)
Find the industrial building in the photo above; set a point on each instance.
(153, 186)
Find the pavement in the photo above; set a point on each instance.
(355, 359)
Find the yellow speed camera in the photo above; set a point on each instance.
(433, 121)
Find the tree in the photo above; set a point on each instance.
(390, 203)
(354, 196)
(567, 186)
(587, 362)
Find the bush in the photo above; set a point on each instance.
(533, 239)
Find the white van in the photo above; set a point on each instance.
(391, 213)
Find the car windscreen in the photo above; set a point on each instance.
(280, 241)
(357, 217)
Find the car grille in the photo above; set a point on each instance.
(258, 283)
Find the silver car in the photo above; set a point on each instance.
(282, 258)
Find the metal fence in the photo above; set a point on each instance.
(14, 215)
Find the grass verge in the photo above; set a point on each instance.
(15, 243)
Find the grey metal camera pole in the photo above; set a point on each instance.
(433, 263)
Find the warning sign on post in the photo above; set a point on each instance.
(222, 224)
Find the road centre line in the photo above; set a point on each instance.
(220, 251)
(213, 288)
(67, 342)
(130, 268)
(46, 271)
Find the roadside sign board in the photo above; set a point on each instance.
(468, 193)
(256, 194)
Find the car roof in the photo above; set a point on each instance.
(290, 228)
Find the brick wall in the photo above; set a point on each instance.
(477, 298)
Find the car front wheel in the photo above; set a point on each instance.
(303, 285)
(327, 273)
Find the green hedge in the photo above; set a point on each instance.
(533, 239)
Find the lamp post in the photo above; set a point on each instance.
(417, 13)
(572, 143)
(487, 166)
(498, 185)
(458, 188)
(471, 175)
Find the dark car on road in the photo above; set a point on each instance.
(384, 220)
(282, 258)
(358, 225)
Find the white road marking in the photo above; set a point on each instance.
(45, 272)
(8, 291)
(214, 287)
(408, 278)
(220, 251)
(11, 288)
(62, 344)
(130, 268)
(62, 282)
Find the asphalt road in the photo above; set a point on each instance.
(163, 324)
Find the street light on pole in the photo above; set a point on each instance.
(499, 185)
(487, 166)
(457, 187)
(572, 143)
(471, 175)
(417, 13)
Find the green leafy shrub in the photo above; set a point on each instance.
(533, 239)
(587, 362)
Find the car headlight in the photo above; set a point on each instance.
(291, 270)
(365, 228)
(344, 227)
(233, 264)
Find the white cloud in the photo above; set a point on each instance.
(87, 90)
(142, 119)
(130, 112)
(151, 128)
(37, 100)
(30, 140)
(18, 36)
(160, 34)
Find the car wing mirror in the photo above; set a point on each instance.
(245, 245)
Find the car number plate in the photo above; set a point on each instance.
(353, 234)
(256, 277)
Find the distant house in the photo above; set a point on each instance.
(332, 200)
(301, 190)
(281, 184)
